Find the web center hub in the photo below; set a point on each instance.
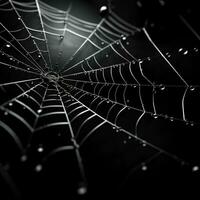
(51, 76)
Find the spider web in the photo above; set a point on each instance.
(69, 86)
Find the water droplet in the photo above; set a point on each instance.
(195, 168)
(123, 37)
(23, 158)
(144, 144)
(82, 190)
(103, 9)
(162, 3)
(196, 50)
(183, 163)
(124, 141)
(144, 167)
(40, 149)
(61, 37)
(191, 123)
(38, 168)
(8, 45)
(139, 4)
(187, 123)
(152, 25)
(185, 52)
(117, 130)
(140, 61)
(166, 116)
(39, 111)
(192, 88)
(129, 137)
(181, 49)
(102, 43)
(127, 100)
(127, 43)
(10, 104)
(162, 87)
(28, 68)
(5, 113)
(171, 119)
(155, 116)
(107, 55)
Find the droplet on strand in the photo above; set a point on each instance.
(144, 167)
(23, 158)
(82, 190)
(195, 168)
(38, 168)
(40, 149)
(39, 111)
